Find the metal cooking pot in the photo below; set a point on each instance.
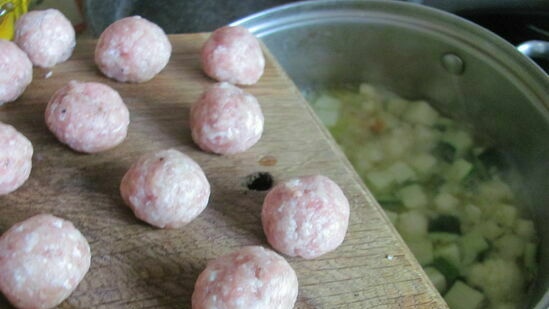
(419, 52)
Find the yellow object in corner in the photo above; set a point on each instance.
(10, 10)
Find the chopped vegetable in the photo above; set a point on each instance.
(443, 192)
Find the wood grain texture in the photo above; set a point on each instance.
(137, 266)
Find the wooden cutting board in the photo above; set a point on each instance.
(135, 265)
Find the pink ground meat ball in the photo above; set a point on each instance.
(252, 277)
(306, 216)
(132, 49)
(88, 117)
(46, 36)
(226, 120)
(166, 189)
(15, 71)
(42, 261)
(15, 159)
(234, 55)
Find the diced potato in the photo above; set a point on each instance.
(393, 216)
(500, 280)
(381, 180)
(458, 170)
(473, 213)
(423, 163)
(437, 278)
(450, 252)
(461, 140)
(462, 296)
(446, 203)
(401, 172)
(510, 247)
(412, 225)
(525, 228)
(495, 190)
(420, 112)
(412, 196)
(505, 215)
(491, 230)
(471, 245)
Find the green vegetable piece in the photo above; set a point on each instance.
(449, 270)
(437, 278)
(445, 152)
(422, 250)
(445, 224)
(472, 245)
(462, 296)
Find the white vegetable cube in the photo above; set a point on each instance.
(495, 190)
(421, 112)
(412, 196)
(412, 225)
(402, 172)
(510, 246)
(505, 215)
(396, 106)
(450, 252)
(458, 170)
(393, 216)
(437, 278)
(381, 180)
(525, 228)
(422, 250)
(498, 278)
(368, 91)
(423, 163)
(461, 140)
(491, 230)
(446, 203)
(472, 244)
(327, 109)
(462, 296)
(397, 144)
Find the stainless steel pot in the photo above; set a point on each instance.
(419, 52)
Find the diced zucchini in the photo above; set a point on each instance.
(420, 112)
(510, 246)
(449, 252)
(491, 230)
(422, 250)
(390, 203)
(412, 225)
(525, 228)
(472, 245)
(446, 203)
(500, 280)
(441, 238)
(401, 172)
(459, 139)
(327, 109)
(437, 278)
(495, 190)
(449, 270)
(462, 296)
(412, 196)
(458, 170)
(445, 224)
(423, 163)
(396, 106)
(505, 215)
(445, 152)
(473, 213)
(380, 180)
(397, 144)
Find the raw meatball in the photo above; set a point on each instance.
(42, 261)
(46, 36)
(15, 159)
(226, 120)
(306, 216)
(132, 49)
(252, 277)
(88, 117)
(166, 189)
(16, 71)
(234, 55)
